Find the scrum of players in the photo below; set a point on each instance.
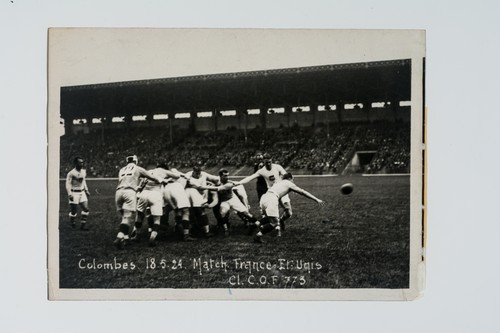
(157, 192)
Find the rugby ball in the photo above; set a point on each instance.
(346, 189)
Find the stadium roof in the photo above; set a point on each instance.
(327, 84)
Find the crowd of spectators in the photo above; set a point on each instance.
(314, 150)
(392, 145)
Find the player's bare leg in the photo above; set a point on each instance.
(85, 214)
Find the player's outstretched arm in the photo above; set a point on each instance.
(212, 178)
(213, 188)
(308, 195)
(174, 175)
(247, 179)
(145, 174)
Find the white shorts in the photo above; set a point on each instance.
(269, 204)
(234, 203)
(285, 199)
(196, 199)
(126, 199)
(175, 195)
(151, 199)
(78, 197)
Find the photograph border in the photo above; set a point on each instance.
(405, 44)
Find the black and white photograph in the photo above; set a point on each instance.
(236, 164)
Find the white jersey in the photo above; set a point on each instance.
(75, 181)
(273, 175)
(128, 177)
(282, 188)
(152, 185)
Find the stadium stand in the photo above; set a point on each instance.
(305, 150)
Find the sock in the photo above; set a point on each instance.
(123, 229)
(206, 229)
(164, 219)
(185, 225)
(204, 220)
(243, 217)
(225, 219)
(72, 218)
(266, 228)
(252, 221)
(278, 229)
(137, 225)
(264, 220)
(285, 216)
(154, 231)
(85, 214)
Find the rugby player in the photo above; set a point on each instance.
(176, 198)
(269, 203)
(273, 173)
(228, 199)
(78, 193)
(196, 191)
(152, 196)
(126, 196)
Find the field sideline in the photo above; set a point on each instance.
(355, 241)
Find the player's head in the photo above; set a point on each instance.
(287, 176)
(224, 175)
(78, 162)
(132, 159)
(197, 167)
(268, 161)
(259, 157)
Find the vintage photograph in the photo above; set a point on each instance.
(236, 164)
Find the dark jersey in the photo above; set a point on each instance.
(225, 194)
(261, 182)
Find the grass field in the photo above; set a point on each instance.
(355, 241)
